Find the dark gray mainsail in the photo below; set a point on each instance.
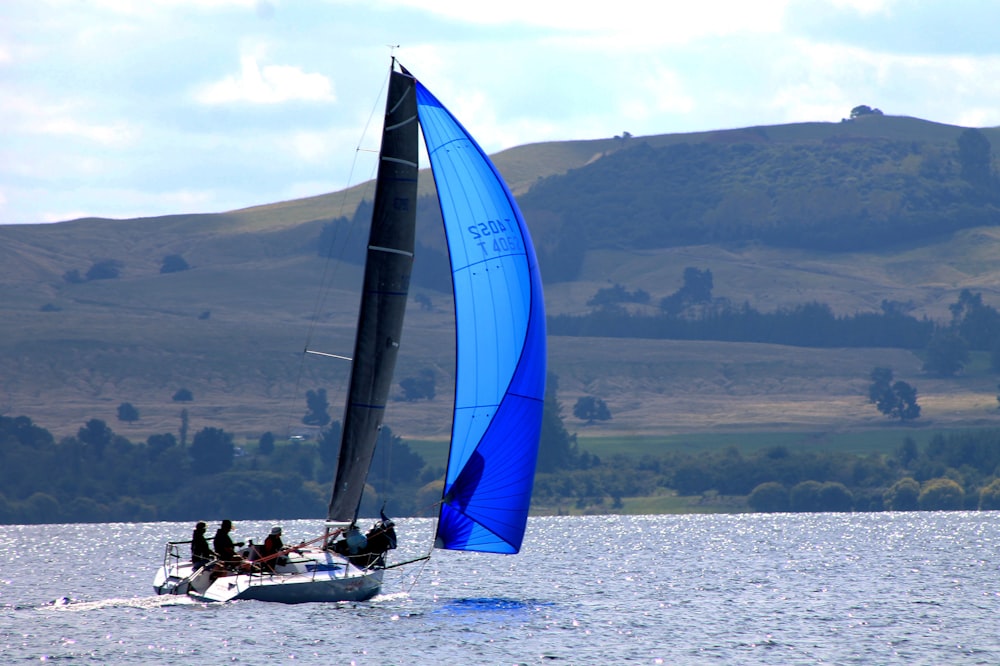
(383, 299)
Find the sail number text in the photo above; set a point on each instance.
(495, 235)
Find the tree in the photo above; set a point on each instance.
(265, 445)
(805, 497)
(420, 387)
(329, 445)
(127, 412)
(989, 496)
(394, 462)
(895, 400)
(173, 263)
(864, 110)
(975, 322)
(947, 354)
(157, 444)
(906, 407)
(881, 383)
(769, 497)
(95, 435)
(106, 269)
(834, 496)
(617, 294)
(317, 406)
(941, 495)
(907, 452)
(902, 496)
(212, 451)
(697, 289)
(590, 409)
(974, 155)
(183, 395)
(557, 448)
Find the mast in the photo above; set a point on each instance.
(383, 299)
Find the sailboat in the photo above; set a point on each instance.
(499, 383)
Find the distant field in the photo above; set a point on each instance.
(859, 442)
(656, 505)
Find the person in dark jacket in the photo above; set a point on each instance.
(201, 554)
(224, 546)
(272, 546)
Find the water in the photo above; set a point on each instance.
(885, 588)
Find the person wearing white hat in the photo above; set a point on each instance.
(272, 546)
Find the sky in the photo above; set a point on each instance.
(135, 108)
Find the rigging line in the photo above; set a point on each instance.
(332, 263)
(416, 577)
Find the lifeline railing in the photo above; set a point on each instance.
(172, 552)
(172, 557)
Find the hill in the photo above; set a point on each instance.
(231, 327)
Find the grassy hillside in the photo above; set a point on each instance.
(139, 339)
(231, 328)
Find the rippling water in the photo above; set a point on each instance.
(885, 588)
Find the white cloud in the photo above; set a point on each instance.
(824, 81)
(864, 7)
(89, 130)
(662, 91)
(67, 118)
(271, 84)
(668, 22)
(114, 134)
(132, 8)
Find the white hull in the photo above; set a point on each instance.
(313, 575)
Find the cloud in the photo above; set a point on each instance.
(271, 84)
(66, 118)
(670, 22)
(950, 89)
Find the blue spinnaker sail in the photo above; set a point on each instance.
(500, 339)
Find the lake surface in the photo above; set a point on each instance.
(883, 588)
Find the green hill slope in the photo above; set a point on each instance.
(231, 328)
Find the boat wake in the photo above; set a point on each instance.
(70, 605)
(391, 597)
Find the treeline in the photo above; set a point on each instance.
(691, 313)
(842, 193)
(807, 325)
(100, 476)
(953, 472)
